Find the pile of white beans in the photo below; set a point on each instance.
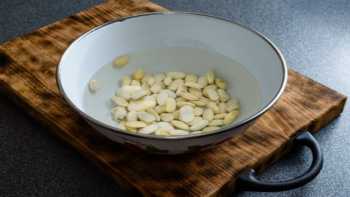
(172, 103)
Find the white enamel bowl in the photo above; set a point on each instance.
(254, 52)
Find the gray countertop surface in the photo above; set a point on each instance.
(313, 35)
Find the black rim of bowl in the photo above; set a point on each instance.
(177, 137)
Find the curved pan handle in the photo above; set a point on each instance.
(248, 181)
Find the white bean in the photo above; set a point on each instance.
(138, 94)
(180, 125)
(141, 106)
(164, 128)
(160, 109)
(193, 84)
(202, 81)
(199, 125)
(191, 78)
(167, 81)
(119, 113)
(213, 106)
(151, 81)
(198, 111)
(223, 95)
(135, 83)
(93, 86)
(222, 107)
(165, 125)
(170, 104)
(183, 103)
(121, 125)
(155, 88)
(149, 129)
(150, 97)
(176, 75)
(135, 124)
(162, 97)
(231, 117)
(169, 92)
(154, 113)
(195, 119)
(220, 83)
(210, 77)
(162, 132)
(208, 114)
(181, 89)
(176, 114)
(196, 92)
(207, 88)
(186, 113)
(167, 117)
(175, 84)
(146, 117)
(208, 129)
(189, 96)
(121, 61)
(138, 74)
(220, 116)
(178, 132)
(200, 103)
(119, 101)
(132, 116)
(232, 104)
(212, 94)
(216, 122)
(127, 90)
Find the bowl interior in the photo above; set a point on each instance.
(183, 42)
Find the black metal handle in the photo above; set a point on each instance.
(248, 181)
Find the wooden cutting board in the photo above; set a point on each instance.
(27, 75)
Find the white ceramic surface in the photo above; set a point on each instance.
(249, 49)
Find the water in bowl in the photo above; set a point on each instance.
(241, 83)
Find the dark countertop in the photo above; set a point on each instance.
(313, 35)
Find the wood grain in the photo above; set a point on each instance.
(27, 76)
